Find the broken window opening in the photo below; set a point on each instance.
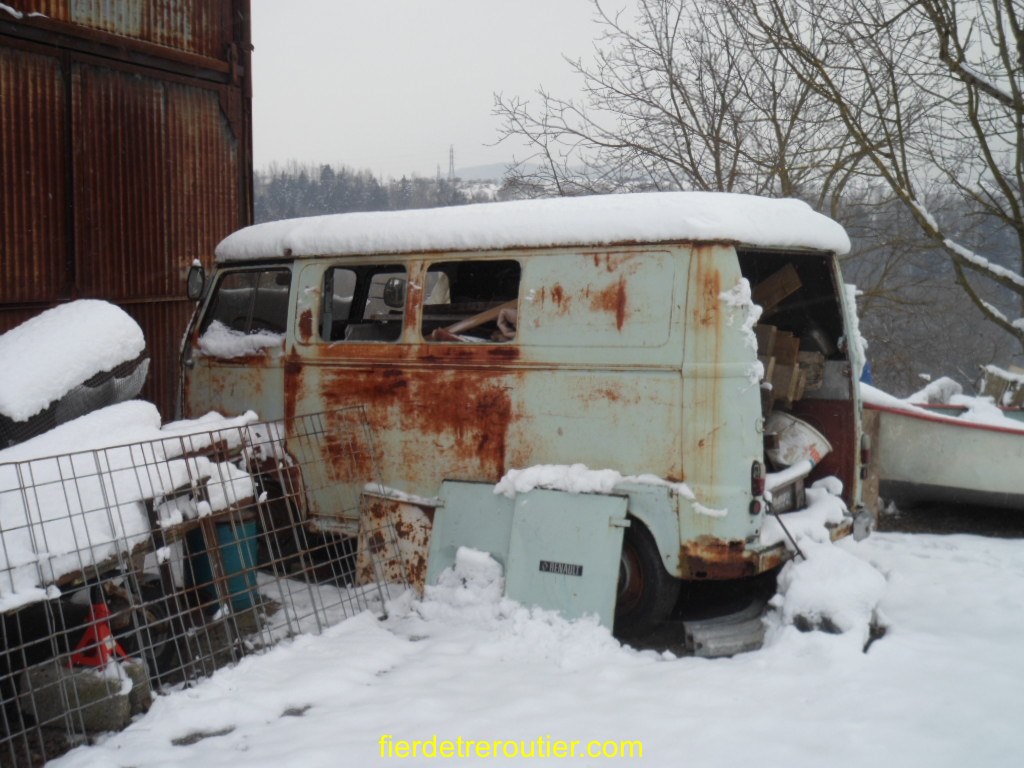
(364, 303)
(472, 301)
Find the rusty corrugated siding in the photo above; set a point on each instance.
(121, 161)
(202, 27)
(156, 187)
(33, 196)
(121, 172)
(210, 183)
(163, 323)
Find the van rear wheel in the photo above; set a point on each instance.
(646, 591)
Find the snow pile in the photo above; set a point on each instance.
(222, 342)
(825, 507)
(937, 392)
(467, 602)
(738, 300)
(981, 411)
(577, 478)
(830, 589)
(574, 478)
(858, 345)
(823, 587)
(601, 219)
(476, 577)
(75, 495)
(48, 355)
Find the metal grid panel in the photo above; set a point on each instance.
(165, 560)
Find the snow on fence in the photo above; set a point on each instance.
(131, 568)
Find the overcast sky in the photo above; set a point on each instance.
(389, 85)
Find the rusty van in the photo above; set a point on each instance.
(702, 345)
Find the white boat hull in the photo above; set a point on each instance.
(924, 457)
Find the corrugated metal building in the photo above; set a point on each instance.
(125, 153)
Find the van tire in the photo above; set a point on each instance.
(646, 592)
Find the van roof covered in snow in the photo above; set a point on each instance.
(567, 221)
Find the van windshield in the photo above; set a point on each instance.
(251, 301)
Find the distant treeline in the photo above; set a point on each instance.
(284, 193)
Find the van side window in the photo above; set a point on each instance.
(471, 301)
(363, 303)
(252, 301)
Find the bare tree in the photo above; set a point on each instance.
(931, 92)
(670, 101)
(901, 119)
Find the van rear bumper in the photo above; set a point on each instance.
(713, 559)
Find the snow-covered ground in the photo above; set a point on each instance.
(468, 673)
(942, 688)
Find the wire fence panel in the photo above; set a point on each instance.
(145, 567)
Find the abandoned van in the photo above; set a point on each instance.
(701, 346)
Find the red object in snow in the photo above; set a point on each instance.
(97, 645)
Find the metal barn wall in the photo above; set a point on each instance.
(125, 153)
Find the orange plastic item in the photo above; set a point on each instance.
(97, 646)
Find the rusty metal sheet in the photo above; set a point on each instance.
(161, 323)
(708, 557)
(195, 26)
(837, 419)
(33, 166)
(124, 156)
(158, 183)
(209, 185)
(406, 554)
(122, 184)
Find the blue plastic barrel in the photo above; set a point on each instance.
(238, 551)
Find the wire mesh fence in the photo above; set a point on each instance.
(144, 567)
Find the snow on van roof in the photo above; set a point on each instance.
(597, 220)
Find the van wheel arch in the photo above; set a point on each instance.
(646, 592)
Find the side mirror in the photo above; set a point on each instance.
(394, 292)
(196, 281)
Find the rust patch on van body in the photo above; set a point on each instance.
(561, 300)
(610, 261)
(306, 325)
(612, 299)
(711, 289)
(711, 558)
(447, 415)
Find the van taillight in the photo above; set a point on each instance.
(757, 479)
